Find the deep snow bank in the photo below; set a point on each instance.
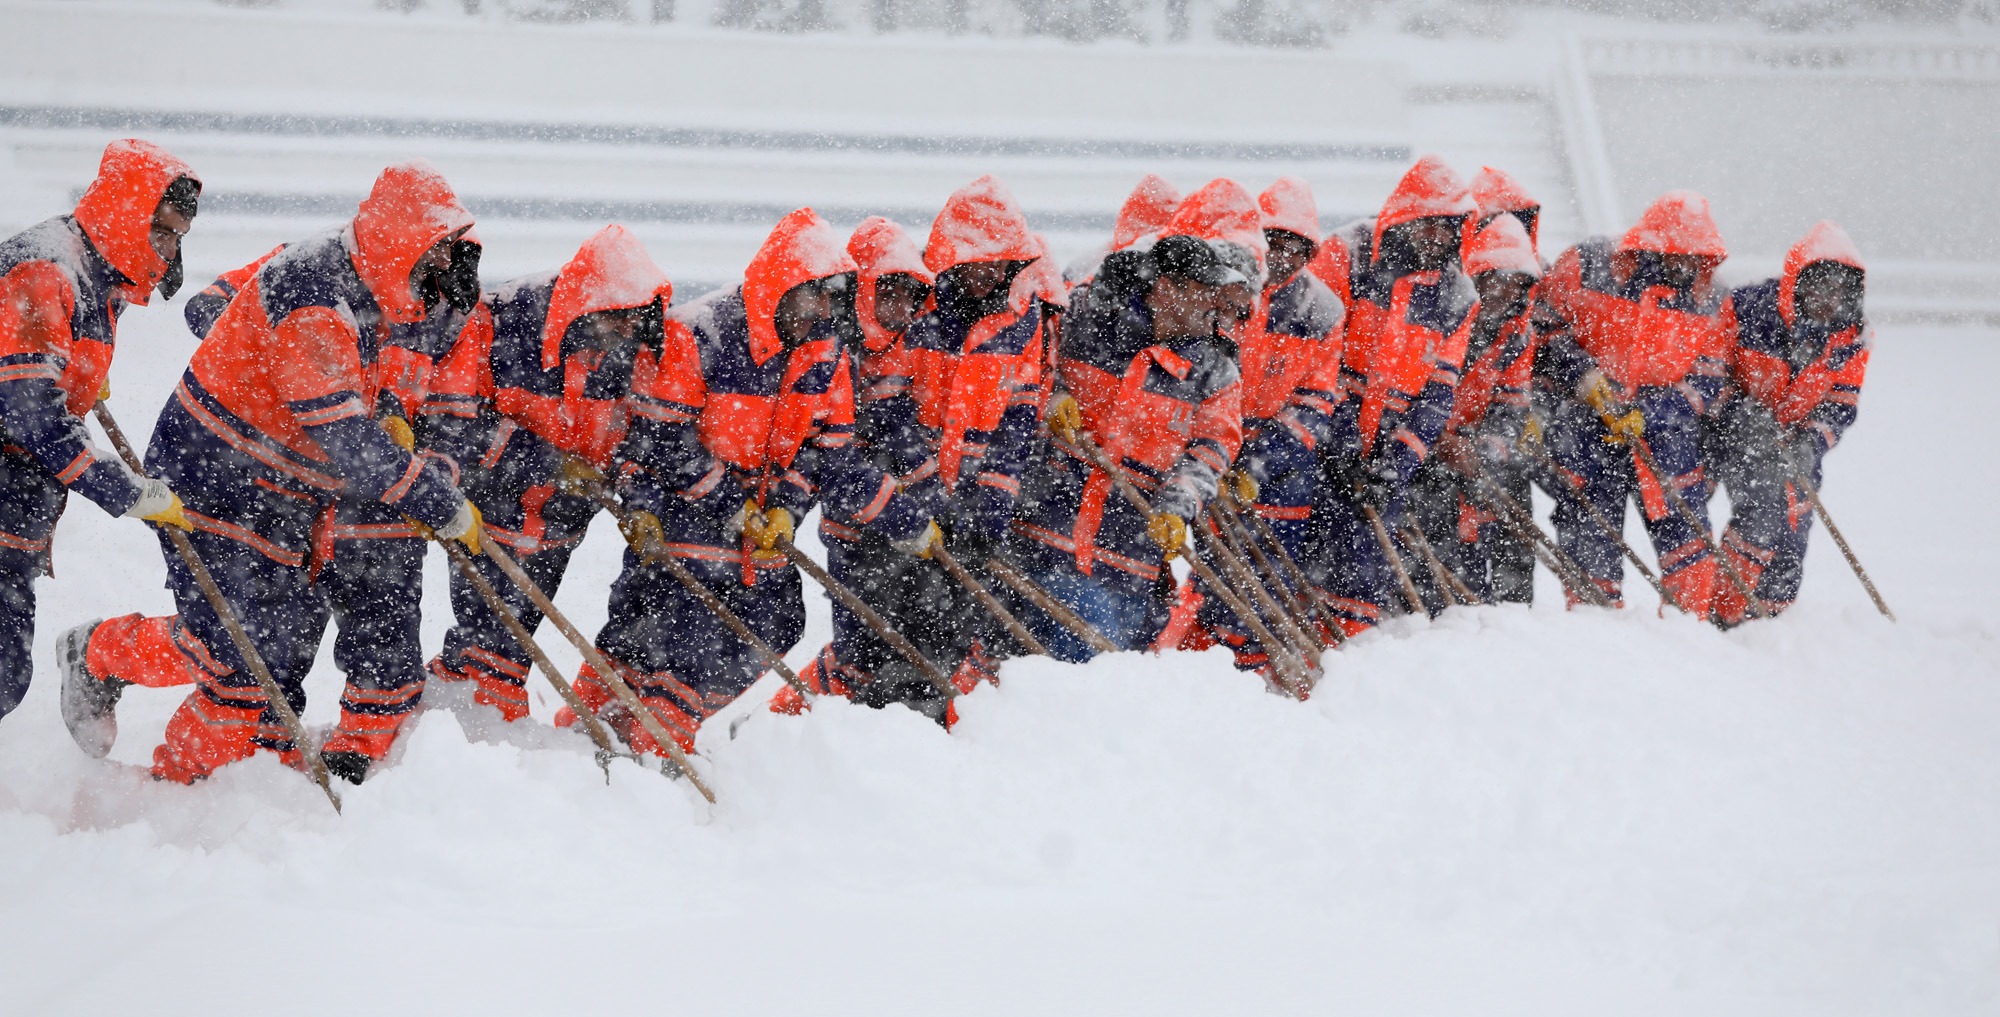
(1503, 810)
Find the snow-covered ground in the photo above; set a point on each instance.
(1505, 811)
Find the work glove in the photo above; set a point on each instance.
(642, 533)
(1801, 454)
(1241, 486)
(740, 521)
(922, 544)
(1457, 452)
(1169, 531)
(1597, 392)
(1624, 428)
(399, 432)
(1376, 487)
(1339, 473)
(158, 504)
(578, 478)
(1531, 433)
(1625, 425)
(968, 539)
(1065, 417)
(765, 529)
(464, 527)
(1754, 428)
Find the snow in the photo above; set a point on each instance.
(1503, 811)
(1506, 810)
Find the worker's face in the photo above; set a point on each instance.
(978, 279)
(1289, 253)
(1433, 240)
(1503, 295)
(436, 258)
(1681, 271)
(427, 275)
(899, 298)
(1182, 308)
(169, 226)
(610, 330)
(1825, 298)
(1234, 304)
(800, 309)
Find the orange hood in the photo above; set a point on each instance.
(1288, 205)
(1502, 246)
(1429, 189)
(410, 208)
(980, 222)
(881, 247)
(1678, 222)
(1146, 210)
(1496, 192)
(610, 272)
(1222, 210)
(1826, 241)
(1041, 280)
(801, 248)
(116, 212)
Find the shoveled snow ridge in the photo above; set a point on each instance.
(1503, 810)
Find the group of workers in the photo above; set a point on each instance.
(1008, 456)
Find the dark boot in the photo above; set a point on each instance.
(351, 767)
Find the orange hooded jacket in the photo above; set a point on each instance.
(968, 365)
(881, 247)
(727, 412)
(63, 284)
(1824, 393)
(511, 354)
(290, 339)
(1294, 337)
(292, 371)
(116, 212)
(1636, 329)
(1147, 210)
(1499, 372)
(1404, 348)
(1495, 193)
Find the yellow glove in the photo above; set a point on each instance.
(1625, 427)
(471, 519)
(400, 433)
(766, 528)
(578, 478)
(1598, 394)
(1531, 433)
(172, 515)
(1169, 531)
(104, 392)
(1240, 485)
(642, 532)
(470, 538)
(1065, 417)
(923, 543)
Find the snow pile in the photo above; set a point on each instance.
(1554, 811)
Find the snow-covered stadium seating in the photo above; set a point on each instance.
(699, 138)
(1896, 138)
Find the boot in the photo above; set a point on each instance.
(351, 767)
(89, 705)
